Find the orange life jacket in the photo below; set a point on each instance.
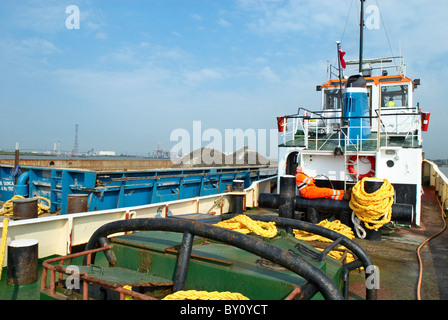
(308, 189)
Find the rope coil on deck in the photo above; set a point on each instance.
(7, 209)
(204, 295)
(335, 225)
(374, 209)
(244, 224)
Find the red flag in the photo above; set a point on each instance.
(341, 57)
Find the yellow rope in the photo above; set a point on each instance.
(7, 206)
(374, 209)
(337, 254)
(43, 208)
(204, 295)
(127, 297)
(335, 225)
(244, 224)
(7, 209)
(3, 243)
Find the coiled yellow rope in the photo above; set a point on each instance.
(205, 295)
(335, 225)
(244, 224)
(374, 209)
(7, 209)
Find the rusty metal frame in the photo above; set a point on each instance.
(83, 277)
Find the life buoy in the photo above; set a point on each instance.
(351, 162)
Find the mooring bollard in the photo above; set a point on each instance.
(287, 198)
(22, 262)
(238, 197)
(77, 203)
(370, 186)
(24, 209)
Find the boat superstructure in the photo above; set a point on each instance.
(368, 125)
(319, 142)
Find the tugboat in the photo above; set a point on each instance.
(369, 126)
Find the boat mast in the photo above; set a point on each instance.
(361, 35)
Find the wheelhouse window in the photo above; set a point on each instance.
(332, 99)
(394, 96)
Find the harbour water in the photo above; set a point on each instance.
(444, 170)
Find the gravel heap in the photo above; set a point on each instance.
(206, 157)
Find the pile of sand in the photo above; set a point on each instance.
(206, 157)
(246, 156)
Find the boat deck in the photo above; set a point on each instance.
(395, 255)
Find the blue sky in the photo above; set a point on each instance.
(136, 70)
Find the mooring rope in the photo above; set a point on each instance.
(205, 295)
(244, 224)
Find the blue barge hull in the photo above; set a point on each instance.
(118, 189)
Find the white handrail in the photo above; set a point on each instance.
(437, 179)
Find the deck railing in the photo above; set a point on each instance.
(314, 130)
(435, 178)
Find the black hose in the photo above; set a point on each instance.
(358, 251)
(401, 212)
(253, 245)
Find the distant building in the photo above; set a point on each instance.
(106, 153)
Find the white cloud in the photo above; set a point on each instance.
(101, 35)
(140, 55)
(195, 77)
(279, 17)
(269, 75)
(196, 17)
(45, 17)
(224, 23)
(37, 46)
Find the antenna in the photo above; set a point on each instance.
(75, 147)
(361, 35)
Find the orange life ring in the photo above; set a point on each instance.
(352, 170)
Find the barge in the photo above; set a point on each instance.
(263, 239)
